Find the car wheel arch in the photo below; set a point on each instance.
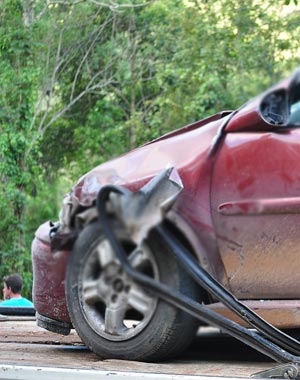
(203, 247)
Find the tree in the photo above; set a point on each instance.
(90, 78)
(48, 66)
(17, 99)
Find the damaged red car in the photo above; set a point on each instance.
(236, 211)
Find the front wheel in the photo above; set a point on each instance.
(114, 316)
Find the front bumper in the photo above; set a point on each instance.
(53, 325)
(49, 273)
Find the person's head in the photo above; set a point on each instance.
(12, 286)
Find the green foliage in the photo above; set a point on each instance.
(83, 83)
(17, 76)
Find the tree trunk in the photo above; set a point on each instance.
(28, 11)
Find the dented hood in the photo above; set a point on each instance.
(181, 149)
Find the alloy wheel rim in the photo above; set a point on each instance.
(113, 305)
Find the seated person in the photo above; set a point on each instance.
(12, 292)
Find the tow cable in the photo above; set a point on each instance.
(143, 210)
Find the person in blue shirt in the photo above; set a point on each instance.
(12, 292)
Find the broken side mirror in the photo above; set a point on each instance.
(274, 108)
(281, 107)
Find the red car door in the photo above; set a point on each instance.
(256, 211)
(255, 200)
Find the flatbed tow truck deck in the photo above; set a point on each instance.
(28, 352)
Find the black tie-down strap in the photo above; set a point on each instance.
(265, 338)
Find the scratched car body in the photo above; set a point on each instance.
(239, 214)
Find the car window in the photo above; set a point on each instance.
(295, 113)
(295, 108)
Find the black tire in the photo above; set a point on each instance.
(99, 292)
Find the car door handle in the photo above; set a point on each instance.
(289, 205)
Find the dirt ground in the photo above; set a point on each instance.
(211, 354)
